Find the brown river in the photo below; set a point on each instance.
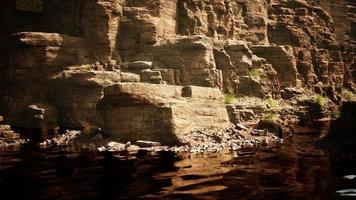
(298, 169)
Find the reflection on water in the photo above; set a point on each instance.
(297, 170)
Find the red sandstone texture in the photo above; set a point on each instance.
(56, 57)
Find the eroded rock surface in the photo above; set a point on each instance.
(76, 91)
(56, 58)
(8, 137)
(141, 111)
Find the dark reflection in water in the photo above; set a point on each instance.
(297, 170)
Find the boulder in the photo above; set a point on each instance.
(313, 108)
(238, 115)
(272, 127)
(163, 113)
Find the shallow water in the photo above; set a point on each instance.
(297, 170)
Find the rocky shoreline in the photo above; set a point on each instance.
(195, 142)
(9, 138)
(257, 124)
(230, 74)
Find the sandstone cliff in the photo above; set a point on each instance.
(56, 57)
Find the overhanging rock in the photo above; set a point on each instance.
(163, 113)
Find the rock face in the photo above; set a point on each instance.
(239, 20)
(33, 57)
(194, 68)
(76, 91)
(283, 60)
(310, 31)
(8, 137)
(56, 58)
(343, 13)
(141, 111)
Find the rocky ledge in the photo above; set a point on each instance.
(8, 137)
(252, 122)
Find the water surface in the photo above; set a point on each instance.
(297, 170)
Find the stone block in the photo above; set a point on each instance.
(76, 91)
(151, 76)
(192, 56)
(162, 113)
(129, 77)
(138, 65)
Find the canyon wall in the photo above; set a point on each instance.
(56, 57)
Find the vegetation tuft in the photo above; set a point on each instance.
(271, 103)
(230, 98)
(255, 73)
(205, 41)
(335, 113)
(272, 116)
(319, 99)
(347, 95)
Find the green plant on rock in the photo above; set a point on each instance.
(272, 116)
(319, 99)
(205, 41)
(335, 113)
(271, 103)
(348, 95)
(255, 73)
(230, 98)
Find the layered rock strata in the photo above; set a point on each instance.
(134, 111)
(310, 31)
(8, 137)
(56, 58)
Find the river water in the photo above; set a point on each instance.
(296, 170)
